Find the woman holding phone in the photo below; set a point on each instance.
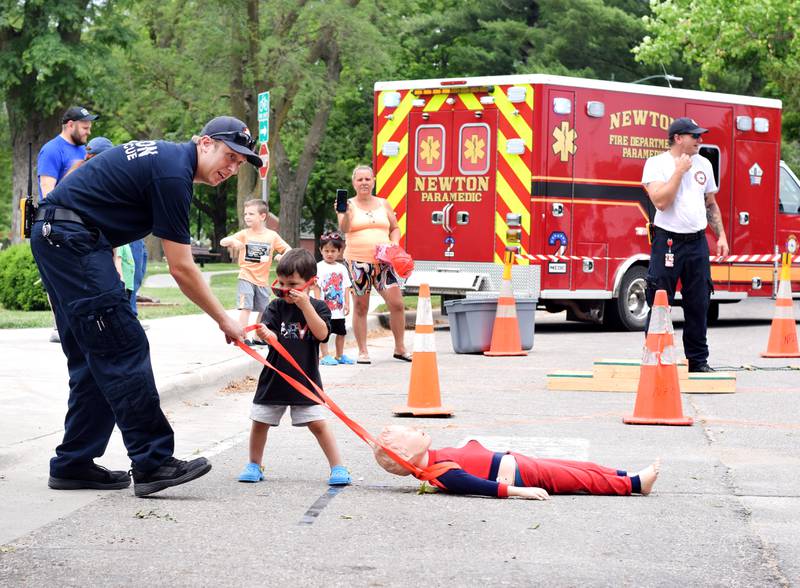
(368, 221)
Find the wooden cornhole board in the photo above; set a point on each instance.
(622, 375)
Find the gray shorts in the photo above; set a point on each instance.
(252, 297)
(302, 414)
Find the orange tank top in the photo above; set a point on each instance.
(368, 228)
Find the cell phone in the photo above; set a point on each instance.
(341, 200)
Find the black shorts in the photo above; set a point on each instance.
(338, 328)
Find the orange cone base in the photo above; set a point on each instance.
(503, 353)
(431, 411)
(767, 354)
(634, 420)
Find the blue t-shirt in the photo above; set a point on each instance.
(132, 190)
(56, 157)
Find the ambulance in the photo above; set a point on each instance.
(561, 159)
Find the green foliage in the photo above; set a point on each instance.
(747, 46)
(20, 285)
(588, 38)
(50, 47)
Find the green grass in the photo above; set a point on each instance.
(410, 302)
(223, 287)
(161, 267)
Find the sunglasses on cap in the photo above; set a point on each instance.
(281, 292)
(238, 137)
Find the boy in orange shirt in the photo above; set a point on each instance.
(256, 245)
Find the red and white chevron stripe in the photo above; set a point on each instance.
(759, 258)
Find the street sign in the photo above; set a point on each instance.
(263, 106)
(263, 131)
(263, 153)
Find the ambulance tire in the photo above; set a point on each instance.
(628, 312)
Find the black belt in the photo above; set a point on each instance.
(681, 236)
(51, 213)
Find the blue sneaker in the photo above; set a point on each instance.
(328, 360)
(252, 473)
(339, 476)
(345, 360)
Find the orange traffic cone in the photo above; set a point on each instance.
(505, 333)
(783, 333)
(658, 399)
(424, 398)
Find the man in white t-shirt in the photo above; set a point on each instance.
(681, 186)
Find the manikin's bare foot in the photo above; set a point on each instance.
(649, 475)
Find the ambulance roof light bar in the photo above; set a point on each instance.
(453, 87)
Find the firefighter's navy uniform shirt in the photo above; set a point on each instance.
(132, 190)
(288, 323)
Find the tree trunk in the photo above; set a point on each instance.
(26, 127)
(244, 96)
(319, 215)
(292, 184)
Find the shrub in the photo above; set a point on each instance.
(20, 285)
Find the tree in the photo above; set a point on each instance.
(47, 49)
(743, 47)
(451, 38)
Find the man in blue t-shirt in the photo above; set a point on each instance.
(117, 197)
(58, 155)
(61, 152)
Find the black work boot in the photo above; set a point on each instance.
(700, 367)
(92, 477)
(170, 473)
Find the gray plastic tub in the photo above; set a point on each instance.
(472, 321)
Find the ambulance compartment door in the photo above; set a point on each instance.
(557, 187)
(752, 229)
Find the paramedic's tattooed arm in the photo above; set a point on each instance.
(713, 214)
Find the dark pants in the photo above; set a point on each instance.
(694, 271)
(139, 252)
(108, 355)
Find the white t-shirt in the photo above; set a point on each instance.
(333, 279)
(688, 211)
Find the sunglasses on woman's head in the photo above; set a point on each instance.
(238, 137)
(330, 237)
(282, 292)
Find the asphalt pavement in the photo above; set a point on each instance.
(724, 511)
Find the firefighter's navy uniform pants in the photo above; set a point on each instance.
(692, 267)
(108, 355)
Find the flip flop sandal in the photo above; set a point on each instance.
(364, 359)
(339, 476)
(402, 356)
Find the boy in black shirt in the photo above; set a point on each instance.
(300, 323)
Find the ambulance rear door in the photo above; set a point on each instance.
(451, 185)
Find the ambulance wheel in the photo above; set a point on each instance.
(628, 312)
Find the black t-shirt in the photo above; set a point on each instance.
(287, 321)
(132, 190)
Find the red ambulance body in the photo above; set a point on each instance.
(458, 158)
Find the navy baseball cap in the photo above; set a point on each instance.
(685, 126)
(78, 113)
(97, 145)
(235, 134)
